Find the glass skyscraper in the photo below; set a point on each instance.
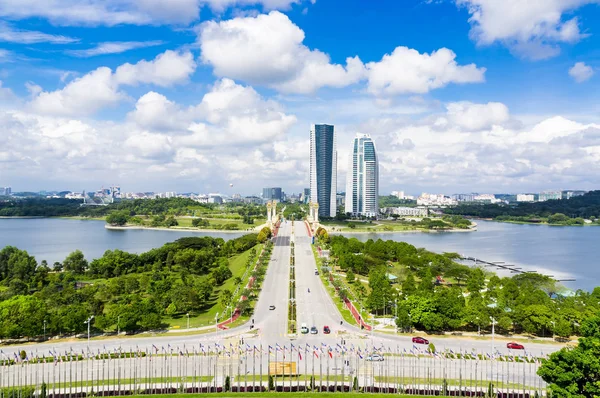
(362, 184)
(323, 168)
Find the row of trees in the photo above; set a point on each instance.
(123, 290)
(439, 294)
(586, 206)
(167, 207)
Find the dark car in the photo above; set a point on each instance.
(314, 330)
(271, 307)
(420, 340)
(326, 330)
(515, 346)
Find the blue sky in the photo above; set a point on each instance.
(459, 95)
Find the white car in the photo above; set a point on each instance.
(375, 357)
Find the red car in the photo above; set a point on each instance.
(515, 346)
(326, 330)
(420, 340)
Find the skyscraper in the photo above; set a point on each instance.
(272, 194)
(323, 168)
(362, 184)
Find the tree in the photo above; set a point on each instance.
(574, 372)
(171, 222)
(21, 316)
(264, 234)
(409, 286)
(118, 218)
(75, 262)
(350, 277)
(225, 297)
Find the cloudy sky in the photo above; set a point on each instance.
(195, 95)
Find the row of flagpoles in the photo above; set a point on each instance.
(205, 367)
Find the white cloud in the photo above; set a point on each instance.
(154, 111)
(84, 95)
(100, 88)
(473, 117)
(117, 12)
(407, 71)
(12, 35)
(114, 47)
(167, 69)
(581, 72)
(268, 50)
(531, 29)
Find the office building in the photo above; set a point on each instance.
(362, 184)
(272, 194)
(550, 195)
(323, 169)
(305, 196)
(525, 197)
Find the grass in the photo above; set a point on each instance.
(450, 382)
(237, 265)
(141, 380)
(278, 395)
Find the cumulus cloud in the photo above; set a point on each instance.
(167, 69)
(581, 72)
(114, 47)
(9, 34)
(268, 50)
(100, 88)
(117, 12)
(473, 117)
(531, 29)
(406, 71)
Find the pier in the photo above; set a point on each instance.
(509, 267)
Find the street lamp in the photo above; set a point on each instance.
(89, 321)
(118, 325)
(553, 327)
(216, 324)
(396, 319)
(188, 320)
(44, 330)
(493, 333)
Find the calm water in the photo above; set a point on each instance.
(52, 239)
(565, 252)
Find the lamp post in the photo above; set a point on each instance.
(89, 321)
(118, 325)
(188, 320)
(493, 333)
(553, 327)
(44, 330)
(216, 323)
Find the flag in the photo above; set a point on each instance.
(300, 355)
(330, 353)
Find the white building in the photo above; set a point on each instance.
(525, 197)
(550, 195)
(362, 184)
(429, 199)
(407, 211)
(323, 169)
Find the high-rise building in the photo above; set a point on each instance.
(362, 184)
(306, 195)
(323, 169)
(272, 194)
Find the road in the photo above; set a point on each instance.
(315, 308)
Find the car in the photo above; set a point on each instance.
(316, 271)
(375, 358)
(271, 307)
(515, 346)
(420, 340)
(303, 328)
(314, 330)
(326, 330)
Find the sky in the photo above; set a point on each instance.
(199, 95)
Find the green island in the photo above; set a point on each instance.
(576, 211)
(435, 293)
(175, 213)
(186, 282)
(426, 224)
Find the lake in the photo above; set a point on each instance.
(565, 252)
(52, 239)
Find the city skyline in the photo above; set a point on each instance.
(466, 94)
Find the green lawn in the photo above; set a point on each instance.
(237, 265)
(278, 395)
(450, 382)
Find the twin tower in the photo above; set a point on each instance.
(362, 183)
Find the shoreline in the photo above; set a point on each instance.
(473, 228)
(180, 229)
